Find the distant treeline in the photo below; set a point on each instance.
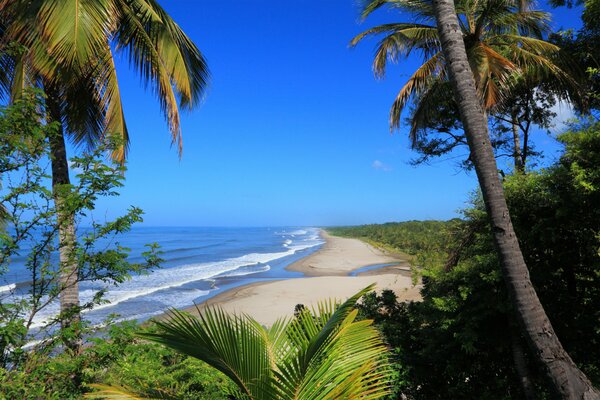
(411, 237)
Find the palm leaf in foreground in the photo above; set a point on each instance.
(323, 354)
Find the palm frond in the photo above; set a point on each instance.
(498, 72)
(415, 85)
(401, 40)
(392, 28)
(184, 61)
(109, 96)
(370, 6)
(348, 364)
(73, 31)
(325, 354)
(532, 23)
(535, 45)
(232, 344)
(420, 9)
(82, 111)
(535, 62)
(436, 96)
(133, 37)
(19, 77)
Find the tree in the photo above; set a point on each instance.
(457, 341)
(583, 48)
(567, 380)
(33, 225)
(66, 47)
(504, 41)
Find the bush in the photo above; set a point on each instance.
(120, 359)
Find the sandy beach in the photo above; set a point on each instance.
(327, 277)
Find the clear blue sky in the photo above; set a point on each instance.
(293, 130)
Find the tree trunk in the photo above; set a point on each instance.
(68, 273)
(516, 143)
(520, 361)
(567, 380)
(525, 148)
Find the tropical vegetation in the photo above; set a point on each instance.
(67, 49)
(121, 359)
(510, 290)
(33, 227)
(324, 354)
(459, 342)
(518, 74)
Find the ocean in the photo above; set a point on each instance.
(198, 264)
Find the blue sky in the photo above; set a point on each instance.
(293, 130)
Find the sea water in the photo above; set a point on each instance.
(198, 263)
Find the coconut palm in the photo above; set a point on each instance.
(567, 380)
(326, 354)
(503, 40)
(67, 47)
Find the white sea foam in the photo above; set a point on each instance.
(169, 278)
(262, 268)
(297, 232)
(8, 288)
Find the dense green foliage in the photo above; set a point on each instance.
(582, 47)
(410, 237)
(121, 359)
(429, 241)
(460, 341)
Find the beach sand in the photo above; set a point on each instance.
(339, 256)
(327, 270)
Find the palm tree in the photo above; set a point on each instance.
(503, 39)
(67, 47)
(567, 380)
(323, 355)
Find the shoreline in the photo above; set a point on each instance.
(326, 275)
(339, 256)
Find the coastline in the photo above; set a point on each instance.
(339, 256)
(326, 276)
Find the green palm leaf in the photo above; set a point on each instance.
(420, 9)
(232, 344)
(502, 38)
(400, 41)
(74, 40)
(416, 85)
(324, 354)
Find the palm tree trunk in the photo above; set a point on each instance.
(567, 380)
(517, 143)
(520, 361)
(68, 274)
